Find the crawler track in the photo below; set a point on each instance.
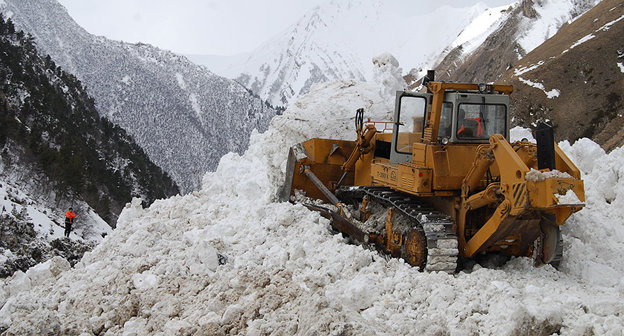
(438, 227)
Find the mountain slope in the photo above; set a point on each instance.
(521, 29)
(576, 79)
(183, 116)
(338, 40)
(57, 152)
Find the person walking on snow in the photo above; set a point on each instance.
(69, 220)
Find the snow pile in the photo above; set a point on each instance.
(388, 73)
(570, 198)
(286, 273)
(595, 235)
(520, 133)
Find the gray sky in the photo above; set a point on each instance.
(218, 27)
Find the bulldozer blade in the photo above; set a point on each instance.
(551, 237)
(290, 171)
(341, 223)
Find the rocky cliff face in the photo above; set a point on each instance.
(575, 80)
(522, 28)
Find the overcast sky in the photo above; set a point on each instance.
(209, 27)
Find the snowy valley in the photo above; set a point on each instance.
(228, 257)
(286, 273)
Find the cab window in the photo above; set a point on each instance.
(410, 123)
(480, 121)
(446, 121)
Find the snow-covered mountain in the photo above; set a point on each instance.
(495, 41)
(575, 79)
(56, 152)
(338, 40)
(184, 116)
(286, 273)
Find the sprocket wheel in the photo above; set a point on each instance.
(414, 249)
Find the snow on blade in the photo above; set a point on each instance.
(287, 273)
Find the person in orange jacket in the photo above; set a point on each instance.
(69, 220)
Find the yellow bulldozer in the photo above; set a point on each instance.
(441, 184)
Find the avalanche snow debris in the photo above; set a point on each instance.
(290, 275)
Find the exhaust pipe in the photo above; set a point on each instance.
(545, 146)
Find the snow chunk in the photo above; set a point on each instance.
(569, 198)
(47, 270)
(388, 72)
(204, 257)
(621, 66)
(518, 133)
(536, 175)
(145, 280)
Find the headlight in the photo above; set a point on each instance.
(482, 87)
(444, 141)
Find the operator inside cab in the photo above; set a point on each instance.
(470, 124)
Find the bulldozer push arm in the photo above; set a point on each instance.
(520, 193)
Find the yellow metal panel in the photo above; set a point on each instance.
(413, 179)
(419, 154)
(450, 164)
(384, 173)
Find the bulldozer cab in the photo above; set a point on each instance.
(461, 116)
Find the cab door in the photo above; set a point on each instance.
(409, 124)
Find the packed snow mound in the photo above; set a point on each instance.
(388, 73)
(158, 273)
